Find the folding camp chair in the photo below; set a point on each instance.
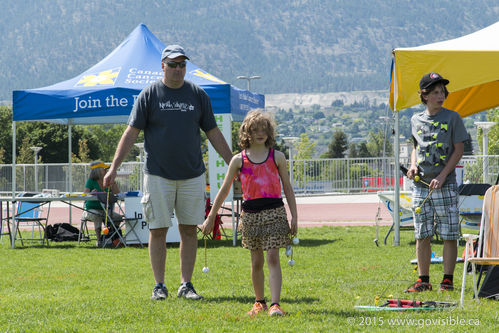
(115, 221)
(406, 216)
(30, 213)
(488, 239)
(470, 204)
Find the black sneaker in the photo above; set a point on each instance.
(418, 286)
(159, 293)
(186, 290)
(446, 285)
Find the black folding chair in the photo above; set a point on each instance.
(470, 205)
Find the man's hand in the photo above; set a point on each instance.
(109, 178)
(207, 226)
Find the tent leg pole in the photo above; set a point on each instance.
(14, 229)
(396, 207)
(70, 153)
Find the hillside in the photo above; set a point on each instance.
(286, 101)
(301, 46)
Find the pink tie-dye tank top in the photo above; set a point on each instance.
(260, 180)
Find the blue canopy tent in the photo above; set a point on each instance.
(105, 93)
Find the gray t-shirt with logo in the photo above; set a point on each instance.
(434, 138)
(171, 119)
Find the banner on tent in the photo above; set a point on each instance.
(89, 103)
(217, 166)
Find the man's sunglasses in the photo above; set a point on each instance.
(173, 64)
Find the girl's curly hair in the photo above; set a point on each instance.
(256, 120)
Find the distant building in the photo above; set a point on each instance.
(357, 140)
(405, 152)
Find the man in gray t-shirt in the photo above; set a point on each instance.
(171, 112)
(438, 135)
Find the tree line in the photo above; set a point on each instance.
(89, 142)
(92, 142)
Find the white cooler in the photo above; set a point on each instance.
(133, 209)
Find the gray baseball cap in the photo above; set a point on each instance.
(173, 51)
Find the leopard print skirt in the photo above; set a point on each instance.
(268, 229)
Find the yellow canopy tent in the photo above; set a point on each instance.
(470, 63)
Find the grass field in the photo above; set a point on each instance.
(66, 287)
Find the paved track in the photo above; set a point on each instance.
(338, 210)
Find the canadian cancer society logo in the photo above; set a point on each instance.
(207, 76)
(99, 79)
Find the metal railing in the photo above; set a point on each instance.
(55, 176)
(310, 176)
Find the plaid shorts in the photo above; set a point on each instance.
(439, 212)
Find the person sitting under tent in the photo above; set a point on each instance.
(93, 209)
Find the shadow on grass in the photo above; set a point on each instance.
(72, 245)
(317, 242)
(210, 244)
(22, 247)
(64, 245)
(228, 243)
(251, 299)
(216, 243)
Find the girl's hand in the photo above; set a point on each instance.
(207, 226)
(294, 226)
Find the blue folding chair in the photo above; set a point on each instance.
(4, 224)
(30, 213)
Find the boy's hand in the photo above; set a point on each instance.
(437, 182)
(413, 170)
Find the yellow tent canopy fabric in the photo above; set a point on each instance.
(470, 63)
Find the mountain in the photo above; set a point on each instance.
(299, 46)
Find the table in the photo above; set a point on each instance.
(42, 200)
(133, 208)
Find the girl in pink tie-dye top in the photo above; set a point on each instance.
(260, 180)
(264, 223)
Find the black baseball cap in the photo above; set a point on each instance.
(430, 79)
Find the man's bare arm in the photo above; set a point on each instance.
(218, 142)
(126, 142)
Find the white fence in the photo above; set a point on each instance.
(308, 176)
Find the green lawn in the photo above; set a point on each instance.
(65, 287)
